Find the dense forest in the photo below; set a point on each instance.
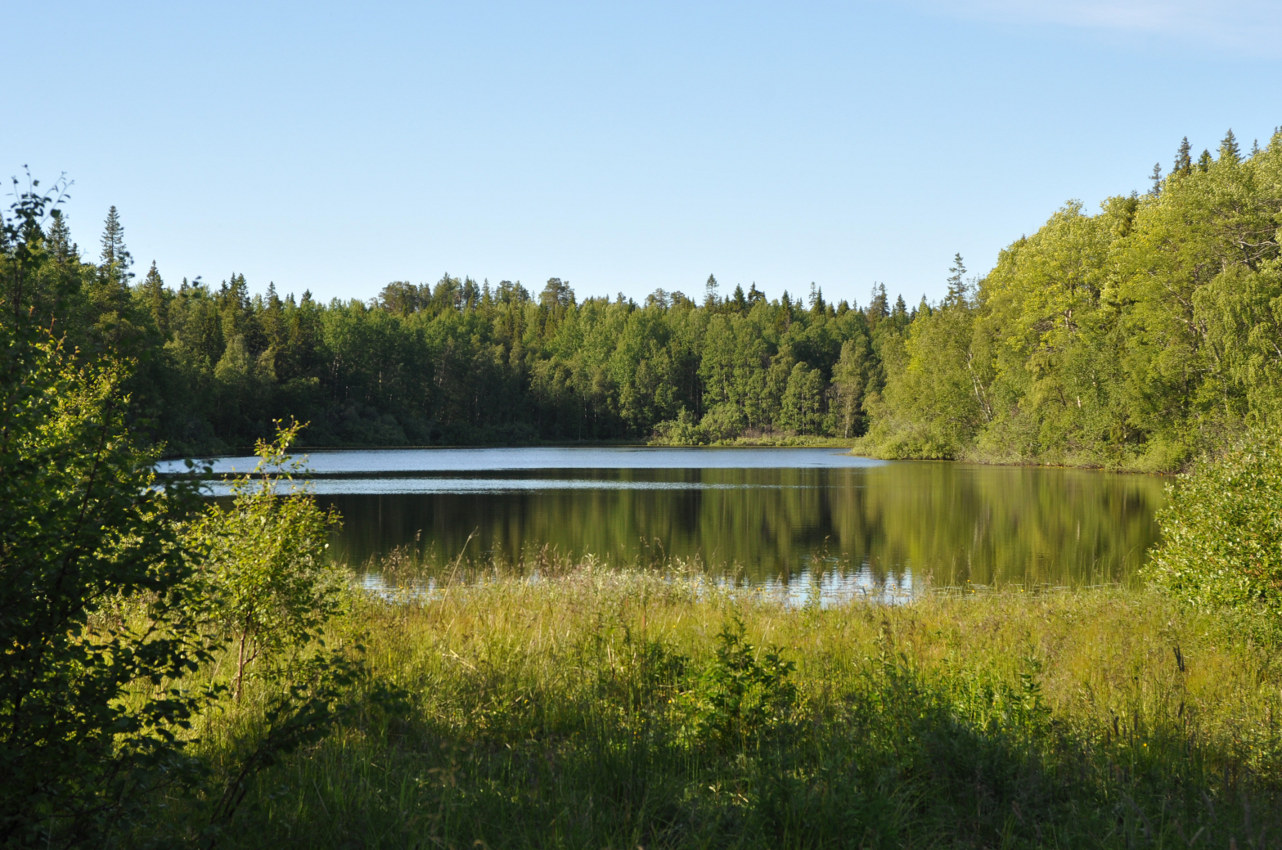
(182, 672)
(1132, 337)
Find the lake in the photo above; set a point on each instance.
(806, 523)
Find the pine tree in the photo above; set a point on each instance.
(1156, 177)
(61, 248)
(1183, 158)
(114, 253)
(879, 304)
(956, 283)
(1229, 150)
(152, 290)
(110, 295)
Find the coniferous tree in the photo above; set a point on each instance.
(154, 297)
(816, 299)
(61, 248)
(109, 296)
(114, 253)
(1229, 150)
(1183, 158)
(956, 282)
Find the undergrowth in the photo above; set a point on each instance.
(598, 708)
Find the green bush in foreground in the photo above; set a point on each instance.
(1222, 532)
(264, 582)
(111, 628)
(94, 625)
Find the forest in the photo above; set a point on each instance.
(1131, 337)
(178, 671)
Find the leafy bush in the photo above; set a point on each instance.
(264, 580)
(740, 698)
(1222, 531)
(682, 431)
(94, 625)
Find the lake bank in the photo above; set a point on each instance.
(616, 708)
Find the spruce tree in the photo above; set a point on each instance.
(61, 248)
(152, 290)
(956, 283)
(1183, 158)
(114, 253)
(1229, 150)
(817, 304)
(879, 304)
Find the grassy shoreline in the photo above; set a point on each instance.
(620, 709)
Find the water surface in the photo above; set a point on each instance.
(805, 522)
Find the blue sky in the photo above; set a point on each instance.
(620, 146)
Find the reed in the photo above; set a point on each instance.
(590, 707)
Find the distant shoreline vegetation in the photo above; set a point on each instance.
(179, 672)
(1132, 338)
(783, 441)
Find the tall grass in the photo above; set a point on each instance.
(600, 708)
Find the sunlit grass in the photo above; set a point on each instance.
(594, 707)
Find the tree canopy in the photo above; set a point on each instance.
(1132, 336)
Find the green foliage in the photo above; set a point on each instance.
(936, 404)
(682, 431)
(108, 621)
(264, 578)
(1132, 337)
(1222, 532)
(94, 621)
(556, 714)
(740, 700)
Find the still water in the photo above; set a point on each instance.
(802, 522)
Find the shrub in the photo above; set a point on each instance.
(741, 698)
(265, 580)
(1222, 531)
(94, 627)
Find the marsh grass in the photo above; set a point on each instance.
(603, 708)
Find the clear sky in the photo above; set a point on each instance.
(621, 146)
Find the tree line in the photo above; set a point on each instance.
(1134, 336)
(132, 615)
(461, 361)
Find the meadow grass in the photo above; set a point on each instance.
(601, 708)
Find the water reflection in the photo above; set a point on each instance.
(899, 525)
(800, 523)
